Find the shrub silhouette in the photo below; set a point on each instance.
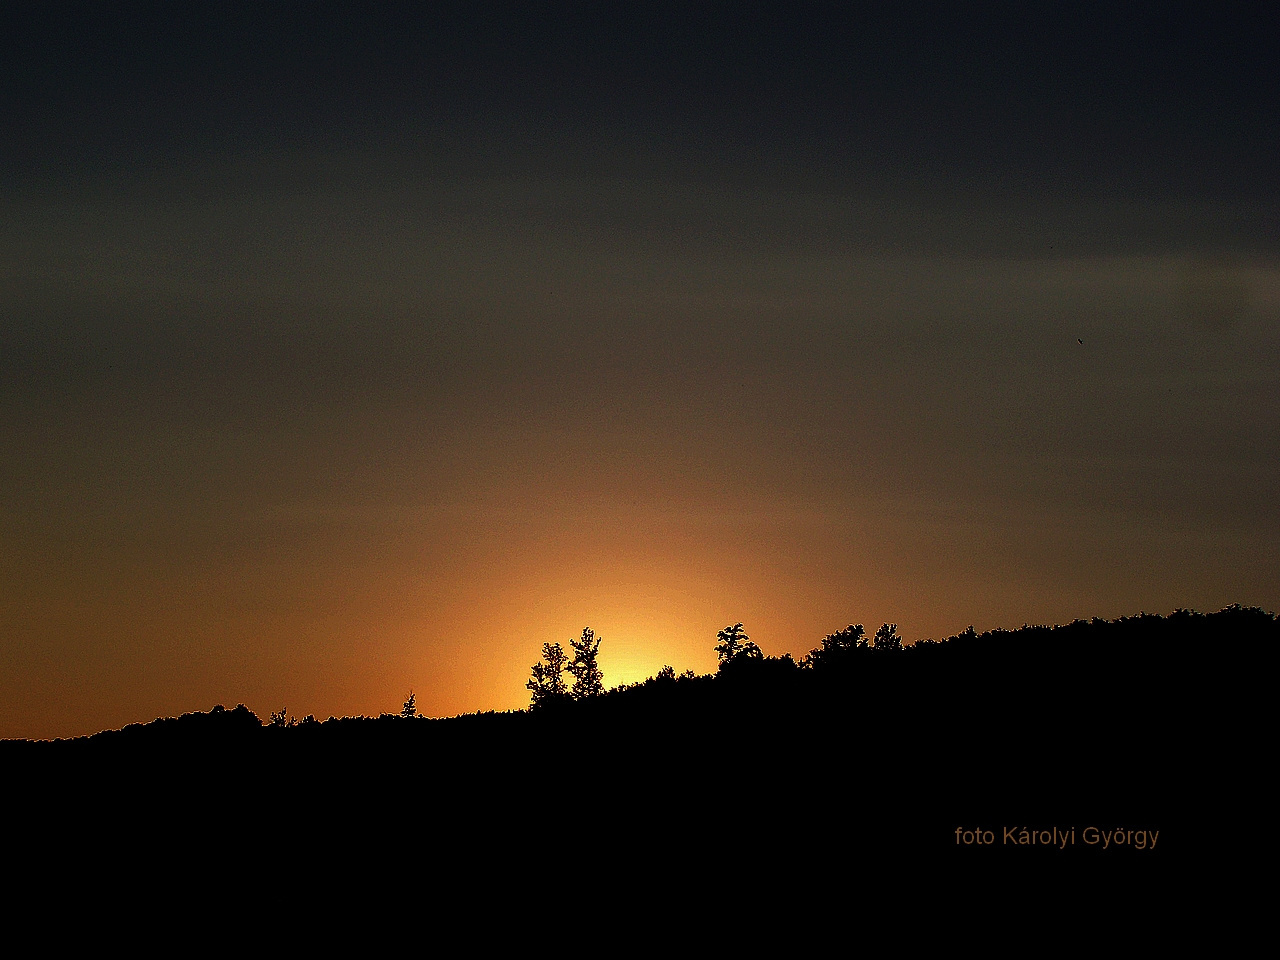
(837, 648)
(887, 638)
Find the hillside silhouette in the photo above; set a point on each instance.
(797, 774)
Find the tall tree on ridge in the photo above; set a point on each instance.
(547, 684)
(734, 642)
(588, 681)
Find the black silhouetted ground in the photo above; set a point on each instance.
(768, 781)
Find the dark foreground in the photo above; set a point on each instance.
(1060, 760)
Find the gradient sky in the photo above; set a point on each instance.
(344, 353)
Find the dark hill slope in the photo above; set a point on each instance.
(769, 771)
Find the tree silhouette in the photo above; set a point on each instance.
(887, 637)
(588, 681)
(734, 642)
(410, 708)
(547, 684)
(838, 646)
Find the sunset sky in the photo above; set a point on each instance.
(344, 353)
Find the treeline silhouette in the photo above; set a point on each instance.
(862, 752)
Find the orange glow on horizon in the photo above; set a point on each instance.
(313, 472)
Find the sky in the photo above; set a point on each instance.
(345, 353)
